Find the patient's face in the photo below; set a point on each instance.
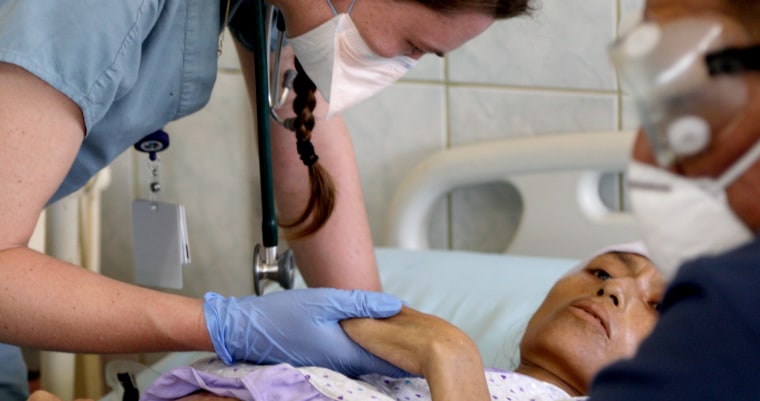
(593, 317)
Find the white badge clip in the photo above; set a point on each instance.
(159, 229)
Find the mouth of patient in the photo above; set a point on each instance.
(590, 313)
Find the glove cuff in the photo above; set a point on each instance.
(214, 305)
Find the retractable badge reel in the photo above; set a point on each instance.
(159, 229)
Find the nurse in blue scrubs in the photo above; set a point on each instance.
(82, 81)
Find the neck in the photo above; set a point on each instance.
(545, 375)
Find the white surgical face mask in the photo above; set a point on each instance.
(680, 218)
(342, 66)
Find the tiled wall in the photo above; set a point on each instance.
(531, 76)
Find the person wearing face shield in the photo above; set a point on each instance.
(80, 82)
(693, 68)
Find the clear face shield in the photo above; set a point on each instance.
(684, 80)
(687, 84)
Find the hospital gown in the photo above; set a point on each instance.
(285, 382)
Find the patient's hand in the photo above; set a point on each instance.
(425, 345)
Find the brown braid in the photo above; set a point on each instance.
(322, 197)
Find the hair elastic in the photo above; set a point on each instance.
(306, 151)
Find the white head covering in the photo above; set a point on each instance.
(630, 247)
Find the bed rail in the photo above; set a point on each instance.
(569, 165)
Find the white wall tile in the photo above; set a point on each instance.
(116, 221)
(210, 168)
(428, 68)
(485, 217)
(229, 59)
(213, 172)
(484, 113)
(563, 46)
(630, 8)
(391, 133)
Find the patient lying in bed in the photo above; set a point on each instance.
(597, 313)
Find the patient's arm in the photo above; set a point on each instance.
(425, 345)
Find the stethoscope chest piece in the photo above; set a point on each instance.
(271, 267)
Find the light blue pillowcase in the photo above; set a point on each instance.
(489, 296)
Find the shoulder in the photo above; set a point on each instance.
(242, 22)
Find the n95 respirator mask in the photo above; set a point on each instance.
(343, 67)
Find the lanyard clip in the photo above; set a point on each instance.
(152, 144)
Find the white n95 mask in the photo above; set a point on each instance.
(342, 66)
(680, 218)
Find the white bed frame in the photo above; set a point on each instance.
(557, 176)
(566, 166)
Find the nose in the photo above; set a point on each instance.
(618, 290)
(612, 296)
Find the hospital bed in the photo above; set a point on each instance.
(491, 296)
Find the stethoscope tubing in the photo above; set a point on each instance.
(263, 110)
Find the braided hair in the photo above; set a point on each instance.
(321, 201)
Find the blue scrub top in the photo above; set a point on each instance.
(131, 65)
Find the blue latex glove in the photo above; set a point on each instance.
(299, 327)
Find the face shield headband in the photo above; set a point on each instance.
(684, 80)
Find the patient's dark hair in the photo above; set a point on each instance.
(322, 198)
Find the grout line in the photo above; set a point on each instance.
(619, 96)
(229, 70)
(447, 130)
(478, 85)
(135, 173)
(450, 220)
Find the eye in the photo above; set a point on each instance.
(656, 306)
(601, 274)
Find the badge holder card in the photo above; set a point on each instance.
(159, 229)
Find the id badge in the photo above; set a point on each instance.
(161, 248)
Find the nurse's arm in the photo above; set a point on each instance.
(341, 253)
(46, 303)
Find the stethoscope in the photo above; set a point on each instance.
(270, 94)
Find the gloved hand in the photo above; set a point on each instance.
(299, 327)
